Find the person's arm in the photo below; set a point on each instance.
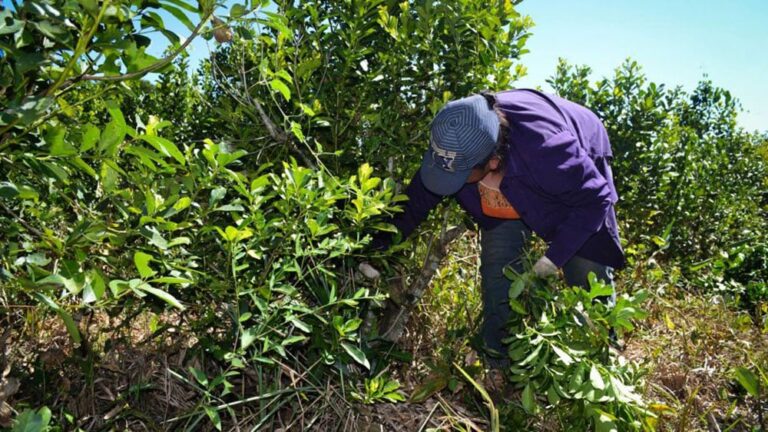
(564, 170)
(420, 202)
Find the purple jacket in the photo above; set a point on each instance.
(557, 176)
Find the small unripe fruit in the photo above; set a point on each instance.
(221, 32)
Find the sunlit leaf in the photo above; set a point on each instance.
(162, 295)
(280, 86)
(748, 380)
(142, 261)
(356, 354)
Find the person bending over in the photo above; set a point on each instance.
(521, 161)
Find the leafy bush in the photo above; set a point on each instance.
(202, 216)
(360, 78)
(181, 228)
(561, 356)
(109, 210)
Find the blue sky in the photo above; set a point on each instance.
(676, 41)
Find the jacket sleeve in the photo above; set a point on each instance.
(565, 172)
(420, 202)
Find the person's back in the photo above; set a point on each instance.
(537, 116)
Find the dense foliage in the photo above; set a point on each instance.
(561, 347)
(231, 205)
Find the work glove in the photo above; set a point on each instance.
(544, 267)
(369, 271)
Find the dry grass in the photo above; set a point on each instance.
(142, 383)
(689, 344)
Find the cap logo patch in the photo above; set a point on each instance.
(443, 157)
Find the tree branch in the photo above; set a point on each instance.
(26, 225)
(403, 300)
(244, 98)
(151, 68)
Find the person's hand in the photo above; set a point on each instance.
(368, 271)
(544, 267)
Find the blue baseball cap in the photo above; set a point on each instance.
(464, 134)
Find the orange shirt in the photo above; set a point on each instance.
(492, 201)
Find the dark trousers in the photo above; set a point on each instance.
(502, 246)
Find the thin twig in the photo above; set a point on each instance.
(26, 225)
(429, 417)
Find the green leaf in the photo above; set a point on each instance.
(230, 208)
(8, 190)
(277, 22)
(33, 420)
(562, 355)
(748, 380)
(54, 170)
(94, 288)
(165, 147)
(84, 167)
(529, 400)
(69, 323)
(307, 109)
(118, 287)
(30, 109)
(356, 354)
(162, 295)
(199, 375)
(598, 288)
(142, 261)
(532, 356)
(213, 414)
(596, 379)
(247, 337)
(91, 136)
(179, 241)
(113, 107)
(518, 307)
(296, 130)
(182, 203)
(58, 146)
(604, 422)
(108, 177)
(7, 24)
(552, 396)
(282, 73)
(516, 289)
(184, 5)
(112, 136)
(91, 6)
(293, 339)
(56, 279)
(301, 325)
(237, 10)
(171, 280)
(179, 15)
(52, 31)
(280, 86)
